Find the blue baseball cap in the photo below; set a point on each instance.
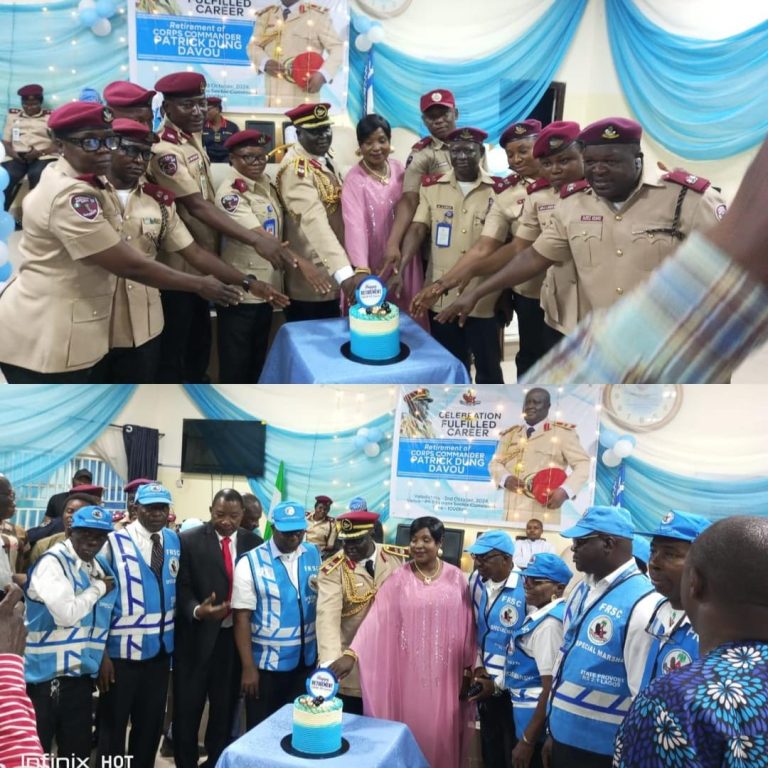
(97, 518)
(679, 525)
(545, 565)
(289, 516)
(499, 540)
(358, 504)
(612, 521)
(641, 548)
(153, 493)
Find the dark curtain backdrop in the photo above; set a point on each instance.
(142, 450)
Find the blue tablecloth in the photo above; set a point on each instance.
(372, 743)
(308, 352)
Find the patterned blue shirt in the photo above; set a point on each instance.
(711, 714)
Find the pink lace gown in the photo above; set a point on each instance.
(368, 207)
(413, 647)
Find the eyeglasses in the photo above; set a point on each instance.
(132, 151)
(576, 543)
(485, 558)
(252, 160)
(92, 144)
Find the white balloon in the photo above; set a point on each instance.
(610, 459)
(371, 450)
(3, 253)
(102, 27)
(376, 33)
(622, 448)
(363, 43)
(363, 432)
(83, 4)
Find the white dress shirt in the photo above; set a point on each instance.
(544, 642)
(527, 548)
(244, 591)
(142, 539)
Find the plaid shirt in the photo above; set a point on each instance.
(694, 321)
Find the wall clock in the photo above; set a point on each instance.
(384, 9)
(642, 407)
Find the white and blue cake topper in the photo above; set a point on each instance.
(371, 292)
(322, 684)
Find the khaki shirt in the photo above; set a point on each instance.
(252, 204)
(428, 157)
(456, 222)
(311, 196)
(307, 28)
(345, 592)
(559, 297)
(554, 444)
(180, 164)
(25, 133)
(137, 314)
(55, 314)
(321, 533)
(612, 250)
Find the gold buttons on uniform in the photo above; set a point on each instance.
(463, 231)
(619, 252)
(129, 286)
(584, 233)
(618, 217)
(619, 291)
(463, 210)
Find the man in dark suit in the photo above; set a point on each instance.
(206, 663)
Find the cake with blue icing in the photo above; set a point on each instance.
(374, 323)
(316, 725)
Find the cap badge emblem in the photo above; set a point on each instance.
(610, 133)
(436, 96)
(519, 130)
(320, 112)
(289, 511)
(107, 115)
(555, 143)
(346, 525)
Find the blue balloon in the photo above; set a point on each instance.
(360, 441)
(105, 8)
(374, 435)
(6, 270)
(608, 436)
(5, 179)
(89, 16)
(362, 24)
(7, 225)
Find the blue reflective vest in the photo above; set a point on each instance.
(56, 651)
(590, 693)
(283, 634)
(496, 622)
(672, 648)
(142, 622)
(522, 678)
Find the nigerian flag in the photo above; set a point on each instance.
(277, 497)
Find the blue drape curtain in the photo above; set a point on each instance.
(702, 99)
(315, 462)
(42, 426)
(491, 91)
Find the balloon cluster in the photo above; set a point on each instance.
(367, 440)
(617, 447)
(370, 32)
(96, 15)
(7, 224)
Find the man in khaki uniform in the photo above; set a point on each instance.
(321, 527)
(453, 208)
(130, 101)
(27, 143)
(281, 33)
(347, 586)
(311, 193)
(530, 447)
(616, 226)
(56, 313)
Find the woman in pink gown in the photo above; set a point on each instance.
(414, 647)
(368, 198)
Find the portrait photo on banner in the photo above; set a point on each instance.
(495, 454)
(256, 55)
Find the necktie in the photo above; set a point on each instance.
(227, 552)
(286, 12)
(156, 561)
(329, 165)
(530, 431)
(369, 567)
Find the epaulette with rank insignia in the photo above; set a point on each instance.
(46, 112)
(696, 183)
(563, 424)
(391, 549)
(92, 179)
(300, 166)
(332, 563)
(506, 431)
(575, 186)
(161, 194)
(422, 143)
(14, 111)
(170, 134)
(304, 7)
(431, 178)
(535, 186)
(240, 185)
(501, 183)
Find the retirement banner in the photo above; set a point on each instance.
(471, 455)
(257, 55)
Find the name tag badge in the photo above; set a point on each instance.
(269, 225)
(443, 235)
(16, 133)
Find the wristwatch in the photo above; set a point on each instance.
(247, 280)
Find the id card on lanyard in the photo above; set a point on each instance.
(443, 235)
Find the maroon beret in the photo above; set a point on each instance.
(350, 525)
(309, 115)
(181, 84)
(467, 134)
(612, 130)
(323, 500)
(80, 114)
(134, 485)
(94, 490)
(438, 98)
(525, 129)
(214, 101)
(33, 89)
(121, 93)
(554, 137)
(248, 138)
(136, 131)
